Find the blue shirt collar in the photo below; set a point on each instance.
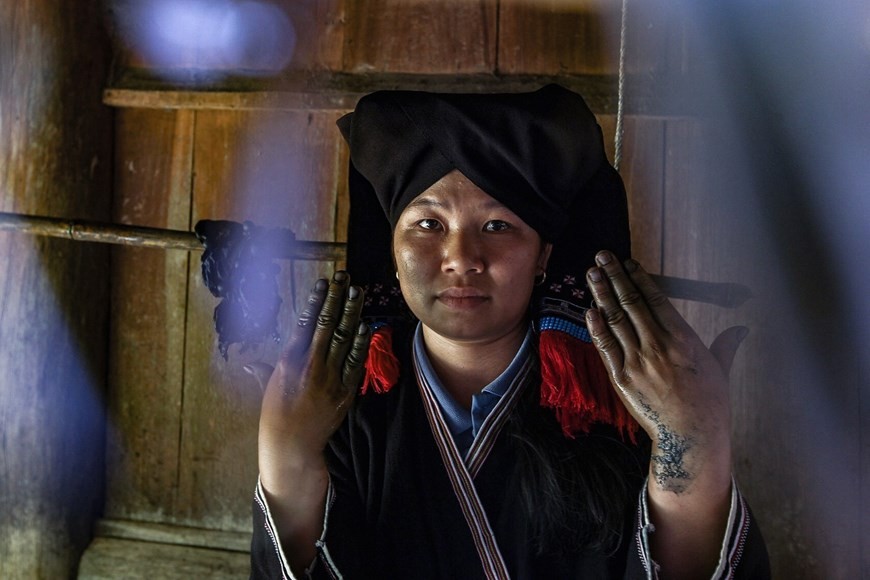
(458, 419)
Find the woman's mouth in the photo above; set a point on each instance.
(462, 298)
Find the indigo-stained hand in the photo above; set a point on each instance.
(674, 386)
(311, 388)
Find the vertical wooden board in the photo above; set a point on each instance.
(276, 169)
(55, 146)
(557, 37)
(642, 169)
(785, 459)
(655, 37)
(342, 205)
(153, 160)
(412, 36)
(319, 29)
(55, 152)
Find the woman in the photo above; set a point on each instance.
(488, 442)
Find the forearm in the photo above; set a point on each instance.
(296, 492)
(689, 506)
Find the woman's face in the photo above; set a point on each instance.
(466, 263)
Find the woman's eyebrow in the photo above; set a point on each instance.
(425, 202)
(434, 202)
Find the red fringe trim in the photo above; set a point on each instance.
(575, 384)
(382, 366)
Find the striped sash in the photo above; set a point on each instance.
(462, 472)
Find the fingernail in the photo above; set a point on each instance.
(742, 333)
(248, 369)
(630, 266)
(340, 276)
(362, 329)
(352, 293)
(603, 258)
(321, 285)
(595, 275)
(592, 314)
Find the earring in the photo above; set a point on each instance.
(542, 280)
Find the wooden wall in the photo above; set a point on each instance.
(55, 159)
(181, 441)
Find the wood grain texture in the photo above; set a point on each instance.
(556, 37)
(276, 169)
(642, 170)
(796, 438)
(154, 161)
(173, 534)
(443, 36)
(110, 558)
(55, 149)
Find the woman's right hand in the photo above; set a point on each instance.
(306, 399)
(311, 388)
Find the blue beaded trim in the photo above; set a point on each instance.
(566, 326)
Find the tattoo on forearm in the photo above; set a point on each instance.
(668, 466)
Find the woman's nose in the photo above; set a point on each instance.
(462, 254)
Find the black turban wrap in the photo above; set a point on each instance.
(539, 153)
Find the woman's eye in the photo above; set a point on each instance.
(429, 224)
(496, 226)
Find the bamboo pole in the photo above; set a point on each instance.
(91, 231)
(725, 294)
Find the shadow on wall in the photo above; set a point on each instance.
(787, 84)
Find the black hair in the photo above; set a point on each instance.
(576, 493)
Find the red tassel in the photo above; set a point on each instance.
(575, 384)
(382, 366)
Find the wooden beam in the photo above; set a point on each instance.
(91, 231)
(193, 89)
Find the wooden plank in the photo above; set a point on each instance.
(172, 534)
(643, 167)
(329, 91)
(109, 558)
(277, 169)
(153, 179)
(342, 197)
(447, 36)
(557, 37)
(795, 438)
(320, 29)
(55, 151)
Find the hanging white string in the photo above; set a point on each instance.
(617, 153)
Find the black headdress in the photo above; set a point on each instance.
(541, 154)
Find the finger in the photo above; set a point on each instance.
(615, 299)
(300, 336)
(608, 347)
(354, 365)
(261, 371)
(346, 329)
(725, 346)
(329, 315)
(657, 303)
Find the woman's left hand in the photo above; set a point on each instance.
(677, 390)
(671, 383)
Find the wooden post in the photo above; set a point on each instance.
(55, 159)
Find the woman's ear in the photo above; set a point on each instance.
(544, 258)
